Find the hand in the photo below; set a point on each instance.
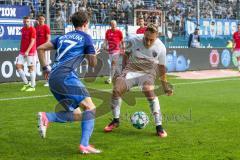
(97, 50)
(26, 53)
(46, 71)
(122, 51)
(168, 90)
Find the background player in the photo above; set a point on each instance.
(27, 54)
(43, 36)
(146, 60)
(64, 83)
(236, 45)
(142, 27)
(114, 41)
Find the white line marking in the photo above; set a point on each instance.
(176, 84)
(20, 98)
(208, 81)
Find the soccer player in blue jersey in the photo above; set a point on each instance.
(70, 92)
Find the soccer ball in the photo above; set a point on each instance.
(139, 120)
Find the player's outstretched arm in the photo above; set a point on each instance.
(41, 52)
(41, 55)
(163, 77)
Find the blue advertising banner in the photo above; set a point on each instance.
(10, 30)
(16, 12)
(211, 28)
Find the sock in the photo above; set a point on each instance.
(87, 126)
(116, 104)
(239, 65)
(155, 109)
(33, 78)
(23, 76)
(61, 117)
(112, 73)
(110, 69)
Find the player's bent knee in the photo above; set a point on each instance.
(87, 104)
(18, 66)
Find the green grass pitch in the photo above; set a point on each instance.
(202, 120)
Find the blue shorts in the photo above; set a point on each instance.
(69, 91)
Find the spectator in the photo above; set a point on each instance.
(194, 39)
(59, 21)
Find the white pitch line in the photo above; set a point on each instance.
(20, 98)
(176, 84)
(208, 81)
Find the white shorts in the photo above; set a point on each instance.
(114, 56)
(31, 60)
(236, 53)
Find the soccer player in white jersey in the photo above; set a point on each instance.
(145, 60)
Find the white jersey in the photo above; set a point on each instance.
(156, 53)
(145, 59)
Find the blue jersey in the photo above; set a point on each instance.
(71, 50)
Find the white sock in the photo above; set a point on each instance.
(239, 65)
(116, 104)
(155, 109)
(113, 69)
(23, 76)
(33, 78)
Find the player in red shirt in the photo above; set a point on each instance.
(43, 36)
(114, 43)
(27, 54)
(142, 27)
(236, 45)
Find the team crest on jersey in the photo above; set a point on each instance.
(154, 54)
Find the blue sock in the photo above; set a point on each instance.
(87, 127)
(61, 117)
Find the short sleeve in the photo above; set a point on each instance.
(106, 35)
(33, 33)
(89, 47)
(47, 29)
(120, 35)
(54, 42)
(162, 55)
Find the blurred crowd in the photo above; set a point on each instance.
(102, 11)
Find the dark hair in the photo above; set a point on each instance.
(41, 15)
(79, 18)
(26, 17)
(152, 28)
